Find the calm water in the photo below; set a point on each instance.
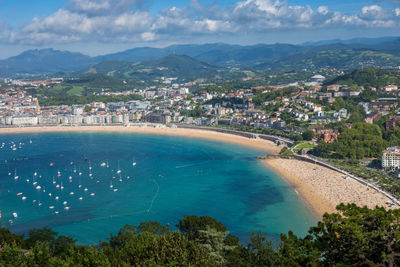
(173, 176)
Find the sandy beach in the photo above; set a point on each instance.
(324, 188)
(321, 188)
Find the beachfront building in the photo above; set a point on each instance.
(391, 157)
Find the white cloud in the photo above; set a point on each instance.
(127, 21)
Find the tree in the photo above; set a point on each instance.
(307, 135)
(87, 108)
(192, 224)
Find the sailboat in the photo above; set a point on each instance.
(15, 175)
(74, 169)
(58, 174)
(90, 166)
(111, 185)
(133, 163)
(54, 182)
(119, 170)
(108, 166)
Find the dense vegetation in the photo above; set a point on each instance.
(369, 77)
(354, 237)
(73, 100)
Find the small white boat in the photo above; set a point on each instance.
(34, 183)
(49, 194)
(115, 189)
(58, 186)
(61, 187)
(91, 194)
(79, 186)
(65, 203)
(103, 164)
(74, 169)
(19, 194)
(80, 198)
(56, 198)
(51, 207)
(15, 175)
(27, 180)
(51, 164)
(85, 189)
(35, 174)
(56, 212)
(80, 173)
(40, 204)
(38, 187)
(24, 198)
(70, 177)
(54, 182)
(15, 215)
(71, 193)
(67, 208)
(34, 201)
(133, 164)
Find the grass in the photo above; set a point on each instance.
(306, 145)
(76, 90)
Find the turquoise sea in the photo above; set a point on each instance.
(161, 179)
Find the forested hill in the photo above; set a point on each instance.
(180, 66)
(369, 77)
(278, 57)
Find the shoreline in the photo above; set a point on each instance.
(261, 144)
(323, 189)
(320, 188)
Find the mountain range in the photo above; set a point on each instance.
(206, 58)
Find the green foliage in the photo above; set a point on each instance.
(368, 77)
(191, 225)
(72, 100)
(360, 141)
(308, 135)
(355, 236)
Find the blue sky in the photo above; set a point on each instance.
(102, 26)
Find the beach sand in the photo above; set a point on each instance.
(321, 188)
(324, 188)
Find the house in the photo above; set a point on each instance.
(383, 106)
(392, 122)
(391, 157)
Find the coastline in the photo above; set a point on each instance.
(320, 188)
(261, 144)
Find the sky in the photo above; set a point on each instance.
(95, 27)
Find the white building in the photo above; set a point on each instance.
(391, 157)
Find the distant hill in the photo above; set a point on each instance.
(181, 66)
(144, 62)
(362, 41)
(44, 61)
